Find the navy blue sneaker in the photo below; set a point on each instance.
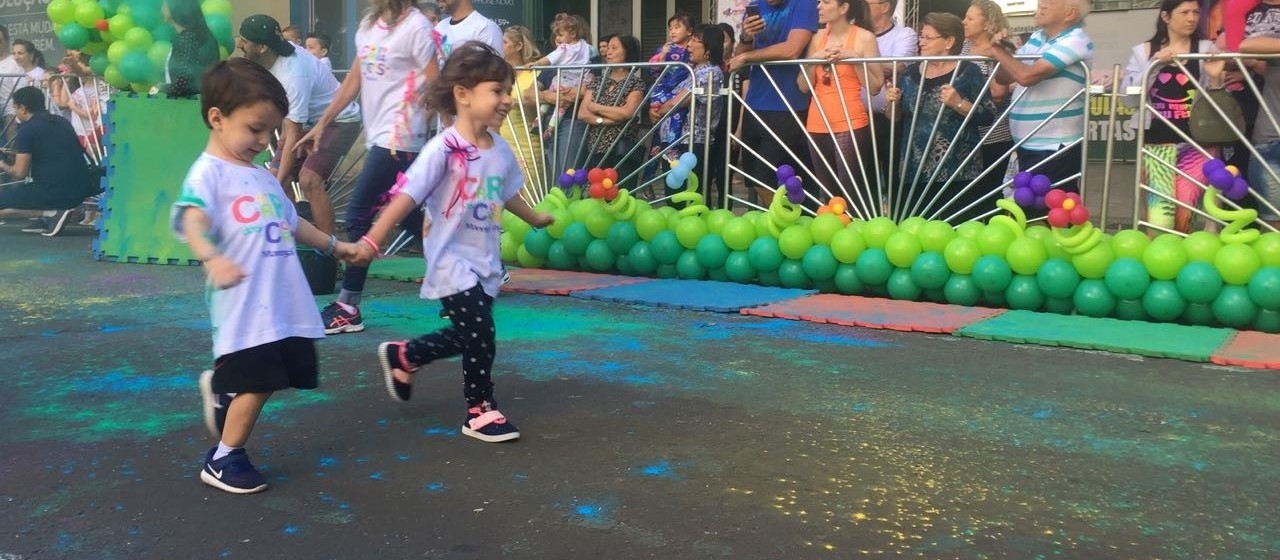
(215, 404)
(338, 319)
(233, 473)
(485, 423)
(391, 358)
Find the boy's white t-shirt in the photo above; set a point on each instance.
(474, 27)
(393, 61)
(251, 223)
(570, 54)
(463, 190)
(309, 87)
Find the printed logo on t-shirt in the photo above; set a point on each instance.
(1171, 97)
(373, 60)
(263, 215)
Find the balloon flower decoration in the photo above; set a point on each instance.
(572, 178)
(1030, 190)
(784, 211)
(837, 207)
(604, 183)
(682, 174)
(791, 182)
(1068, 212)
(1226, 180)
(128, 41)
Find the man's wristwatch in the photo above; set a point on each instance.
(599, 120)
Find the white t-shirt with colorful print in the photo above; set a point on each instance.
(474, 27)
(462, 190)
(251, 223)
(393, 61)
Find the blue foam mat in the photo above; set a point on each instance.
(724, 297)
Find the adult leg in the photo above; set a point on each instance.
(1261, 180)
(316, 169)
(380, 173)
(790, 137)
(759, 175)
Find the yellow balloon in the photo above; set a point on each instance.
(1233, 170)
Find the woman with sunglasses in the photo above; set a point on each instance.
(838, 122)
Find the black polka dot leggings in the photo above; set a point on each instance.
(472, 335)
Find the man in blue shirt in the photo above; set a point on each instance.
(781, 32)
(49, 166)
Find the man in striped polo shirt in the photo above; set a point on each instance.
(1047, 84)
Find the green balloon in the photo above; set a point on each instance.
(219, 25)
(824, 227)
(1092, 298)
(673, 221)
(1164, 258)
(507, 247)
(621, 236)
(711, 251)
(220, 7)
(1237, 263)
(1039, 232)
(538, 242)
(559, 258)
(1093, 263)
(768, 278)
(792, 275)
(584, 207)
(1130, 310)
(970, 230)
(738, 267)
(61, 12)
(794, 241)
(929, 270)
(527, 260)
(88, 14)
(873, 267)
(902, 248)
(163, 32)
(877, 231)
(1055, 251)
(666, 248)
(935, 235)
(135, 66)
(1202, 246)
(1267, 321)
(73, 36)
(666, 271)
(138, 39)
(112, 76)
(623, 264)
(650, 224)
(819, 263)
(1025, 255)
(995, 239)
(995, 299)
(961, 254)
(562, 220)
(600, 257)
(1127, 278)
(690, 231)
(98, 63)
(764, 254)
(687, 267)
(1264, 287)
(1233, 307)
(1163, 302)
(120, 24)
(847, 244)
(1129, 243)
(847, 281)
(1198, 314)
(992, 274)
(738, 233)
(642, 259)
(1268, 248)
(576, 238)
(718, 274)
(912, 225)
(1024, 293)
(1057, 278)
(716, 219)
(960, 290)
(668, 211)
(1199, 282)
(1061, 306)
(599, 222)
(901, 286)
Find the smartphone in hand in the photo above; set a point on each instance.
(753, 9)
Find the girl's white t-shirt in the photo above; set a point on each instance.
(570, 54)
(393, 61)
(462, 190)
(84, 98)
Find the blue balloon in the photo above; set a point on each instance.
(689, 160)
(673, 182)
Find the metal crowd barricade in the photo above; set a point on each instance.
(1147, 113)
(879, 194)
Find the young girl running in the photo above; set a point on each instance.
(463, 179)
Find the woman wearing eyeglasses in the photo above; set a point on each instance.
(945, 92)
(838, 122)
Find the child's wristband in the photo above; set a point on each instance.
(333, 244)
(377, 250)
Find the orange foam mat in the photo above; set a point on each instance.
(876, 313)
(561, 282)
(1250, 349)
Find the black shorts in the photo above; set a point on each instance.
(283, 364)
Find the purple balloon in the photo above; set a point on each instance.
(1022, 180)
(785, 172)
(794, 184)
(581, 177)
(1040, 184)
(796, 197)
(1213, 165)
(1024, 197)
(1221, 179)
(1040, 203)
(1239, 189)
(566, 180)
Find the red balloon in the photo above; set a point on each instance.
(1079, 215)
(610, 193)
(595, 175)
(1054, 198)
(596, 190)
(1059, 218)
(611, 174)
(101, 25)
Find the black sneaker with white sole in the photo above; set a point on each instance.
(232, 473)
(215, 404)
(341, 318)
(391, 358)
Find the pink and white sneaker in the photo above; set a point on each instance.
(485, 423)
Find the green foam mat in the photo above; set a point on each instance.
(1162, 340)
(403, 269)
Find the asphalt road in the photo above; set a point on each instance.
(647, 434)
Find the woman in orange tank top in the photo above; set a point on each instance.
(838, 121)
